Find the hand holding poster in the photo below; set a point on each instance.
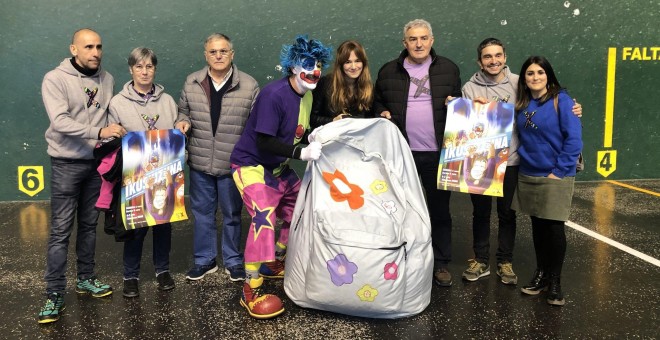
(475, 147)
(153, 179)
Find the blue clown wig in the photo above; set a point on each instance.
(304, 47)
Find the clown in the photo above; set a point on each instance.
(278, 122)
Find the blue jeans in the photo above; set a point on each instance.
(161, 249)
(75, 186)
(437, 201)
(207, 193)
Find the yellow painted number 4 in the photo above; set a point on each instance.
(606, 162)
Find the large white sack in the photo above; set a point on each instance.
(360, 239)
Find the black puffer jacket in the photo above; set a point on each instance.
(322, 113)
(393, 83)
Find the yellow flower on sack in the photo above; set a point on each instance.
(379, 186)
(367, 293)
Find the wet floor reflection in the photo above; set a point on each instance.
(33, 223)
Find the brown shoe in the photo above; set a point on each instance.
(442, 277)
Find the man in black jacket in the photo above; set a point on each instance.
(412, 91)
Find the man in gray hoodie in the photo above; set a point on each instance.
(76, 96)
(495, 82)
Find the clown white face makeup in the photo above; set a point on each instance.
(307, 74)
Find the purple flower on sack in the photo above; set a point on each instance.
(341, 270)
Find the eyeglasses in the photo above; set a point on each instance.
(222, 52)
(148, 67)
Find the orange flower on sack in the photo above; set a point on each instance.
(354, 194)
(367, 293)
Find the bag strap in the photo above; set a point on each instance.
(556, 102)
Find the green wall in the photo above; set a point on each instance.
(35, 35)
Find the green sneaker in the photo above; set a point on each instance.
(94, 287)
(506, 274)
(53, 308)
(476, 270)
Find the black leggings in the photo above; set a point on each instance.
(549, 244)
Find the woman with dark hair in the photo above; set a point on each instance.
(550, 143)
(347, 91)
(143, 105)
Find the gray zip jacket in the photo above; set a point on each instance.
(127, 108)
(208, 153)
(481, 86)
(77, 108)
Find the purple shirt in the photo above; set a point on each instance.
(419, 112)
(278, 111)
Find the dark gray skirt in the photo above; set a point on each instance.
(544, 197)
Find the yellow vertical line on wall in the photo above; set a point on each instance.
(609, 97)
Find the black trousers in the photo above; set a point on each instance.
(506, 236)
(549, 244)
(437, 201)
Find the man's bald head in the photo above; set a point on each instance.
(86, 48)
(80, 32)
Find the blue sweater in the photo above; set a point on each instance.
(549, 142)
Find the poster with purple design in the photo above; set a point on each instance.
(475, 147)
(152, 189)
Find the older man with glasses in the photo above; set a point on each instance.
(218, 99)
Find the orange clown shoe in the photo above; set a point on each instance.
(259, 305)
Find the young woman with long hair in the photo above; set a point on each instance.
(347, 91)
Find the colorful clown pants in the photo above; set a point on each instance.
(266, 198)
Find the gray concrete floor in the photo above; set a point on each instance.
(609, 293)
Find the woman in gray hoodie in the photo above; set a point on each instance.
(142, 105)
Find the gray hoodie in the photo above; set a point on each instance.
(481, 86)
(77, 108)
(127, 108)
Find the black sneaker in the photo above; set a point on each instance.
(131, 289)
(236, 273)
(53, 308)
(198, 272)
(94, 287)
(165, 281)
